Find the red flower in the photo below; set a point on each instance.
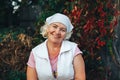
(76, 13)
(100, 8)
(103, 32)
(88, 26)
(101, 23)
(102, 14)
(99, 42)
(109, 5)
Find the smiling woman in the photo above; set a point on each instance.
(56, 58)
(56, 32)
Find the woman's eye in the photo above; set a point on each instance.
(63, 30)
(54, 26)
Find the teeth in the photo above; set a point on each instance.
(56, 36)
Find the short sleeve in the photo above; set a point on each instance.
(31, 61)
(77, 51)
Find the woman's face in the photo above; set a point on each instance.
(56, 32)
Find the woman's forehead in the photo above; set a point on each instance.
(58, 24)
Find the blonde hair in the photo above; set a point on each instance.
(43, 32)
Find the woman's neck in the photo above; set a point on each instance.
(53, 49)
(53, 45)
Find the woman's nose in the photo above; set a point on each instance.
(57, 31)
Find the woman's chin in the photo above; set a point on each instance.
(56, 41)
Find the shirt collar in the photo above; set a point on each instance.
(44, 52)
(65, 47)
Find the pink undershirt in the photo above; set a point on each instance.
(53, 61)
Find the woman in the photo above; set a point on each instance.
(56, 58)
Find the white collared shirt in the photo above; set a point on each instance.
(65, 69)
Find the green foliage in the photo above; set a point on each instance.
(16, 75)
(50, 7)
(13, 75)
(42, 17)
(53, 6)
(15, 49)
(13, 31)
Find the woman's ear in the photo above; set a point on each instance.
(47, 28)
(46, 31)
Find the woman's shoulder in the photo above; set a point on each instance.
(39, 46)
(69, 42)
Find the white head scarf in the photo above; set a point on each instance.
(58, 17)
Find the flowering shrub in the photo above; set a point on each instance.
(94, 23)
(14, 56)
